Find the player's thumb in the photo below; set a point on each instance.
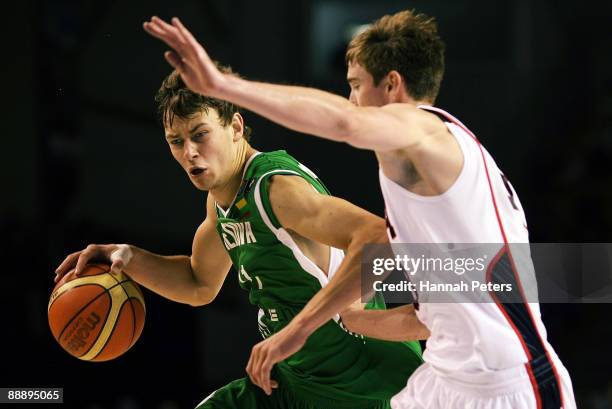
(116, 267)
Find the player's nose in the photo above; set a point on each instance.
(191, 150)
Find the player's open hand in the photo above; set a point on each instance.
(267, 353)
(188, 56)
(118, 255)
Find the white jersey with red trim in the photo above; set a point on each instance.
(480, 207)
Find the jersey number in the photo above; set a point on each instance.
(389, 226)
(510, 191)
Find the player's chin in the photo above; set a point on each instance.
(201, 185)
(203, 182)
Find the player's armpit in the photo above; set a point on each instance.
(334, 222)
(395, 324)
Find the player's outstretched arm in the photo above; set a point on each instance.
(305, 110)
(327, 220)
(194, 280)
(395, 324)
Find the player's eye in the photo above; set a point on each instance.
(200, 135)
(176, 142)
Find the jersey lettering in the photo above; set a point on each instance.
(243, 276)
(237, 234)
(263, 328)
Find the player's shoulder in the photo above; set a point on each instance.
(417, 116)
(268, 164)
(265, 162)
(433, 147)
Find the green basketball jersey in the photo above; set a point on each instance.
(333, 364)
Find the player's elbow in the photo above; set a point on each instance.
(202, 295)
(201, 300)
(354, 128)
(421, 334)
(424, 334)
(370, 231)
(347, 126)
(415, 329)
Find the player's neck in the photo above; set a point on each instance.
(225, 194)
(406, 98)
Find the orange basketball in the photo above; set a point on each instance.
(98, 315)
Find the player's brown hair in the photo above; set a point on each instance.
(174, 99)
(406, 42)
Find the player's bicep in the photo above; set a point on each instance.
(386, 128)
(321, 218)
(210, 261)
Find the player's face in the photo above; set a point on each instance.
(203, 147)
(363, 91)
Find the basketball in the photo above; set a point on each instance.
(98, 315)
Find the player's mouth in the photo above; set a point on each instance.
(196, 171)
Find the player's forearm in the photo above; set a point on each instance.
(344, 288)
(340, 292)
(305, 110)
(396, 324)
(169, 276)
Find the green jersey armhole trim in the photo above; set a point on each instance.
(264, 189)
(283, 235)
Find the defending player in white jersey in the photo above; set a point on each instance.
(440, 186)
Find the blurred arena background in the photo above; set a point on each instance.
(84, 161)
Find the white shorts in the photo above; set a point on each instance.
(507, 389)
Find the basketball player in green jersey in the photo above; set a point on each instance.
(274, 220)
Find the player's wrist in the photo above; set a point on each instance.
(302, 327)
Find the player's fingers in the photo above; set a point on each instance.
(168, 28)
(265, 376)
(162, 26)
(179, 33)
(160, 32)
(273, 384)
(257, 373)
(196, 50)
(171, 33)
(260, 372)
(185, 34)
(154, 30)
(174, 60)
(68, 263)
(84, 257)
(255, 356)
(249, 366)
(117, 266)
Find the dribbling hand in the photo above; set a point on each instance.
(118, 255)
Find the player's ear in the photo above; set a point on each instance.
(394, 81)
(237, 126)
